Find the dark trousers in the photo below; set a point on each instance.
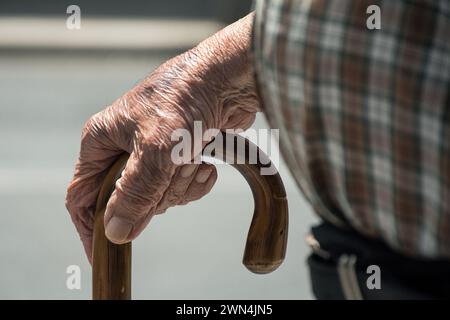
(346, 265)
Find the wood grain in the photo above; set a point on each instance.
(111, 263)
(267, 236)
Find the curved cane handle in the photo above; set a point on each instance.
(267, 237)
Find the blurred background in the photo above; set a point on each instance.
(52, 80)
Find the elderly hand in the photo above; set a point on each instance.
(211, 83)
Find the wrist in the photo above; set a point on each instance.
(223, 65)
(223, 59)
(211, 81)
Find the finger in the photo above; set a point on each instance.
(178, 186)
(240, 119)
(145, 178)
(81, 198)
(205, 179)
(84, 228)
(95, 158)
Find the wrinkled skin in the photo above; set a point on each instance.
(211, 83)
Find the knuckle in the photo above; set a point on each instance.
(184, 202)
(175, 193)
(68, 201)
(133, 200)
(90, 123)
(194, 196)
(92, 128)
(154, 141)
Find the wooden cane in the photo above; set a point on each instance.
(266, 240)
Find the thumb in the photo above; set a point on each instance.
(132, 204)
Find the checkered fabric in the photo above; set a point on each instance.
(364, 115)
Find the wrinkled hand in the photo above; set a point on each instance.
(211, 83)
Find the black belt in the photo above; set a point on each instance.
(345, 265)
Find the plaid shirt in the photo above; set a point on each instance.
(364, 115)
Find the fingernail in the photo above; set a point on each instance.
(202, 176)
(187, 170)
(117, 229)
